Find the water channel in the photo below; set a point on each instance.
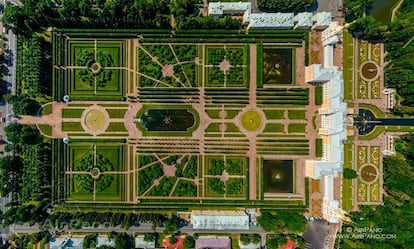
(167, 119)
(366, 121)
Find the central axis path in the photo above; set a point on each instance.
(252, 153)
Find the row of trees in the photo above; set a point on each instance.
(36, 15)
(33, 66)
(285, 5)
(284, 224)
(25, 175)
(354, 9)
(23, 105)
(126, 220)
(25, 240)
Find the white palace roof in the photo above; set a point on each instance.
(303, 20)
(220, 220)
(219, 8)
(272, 20)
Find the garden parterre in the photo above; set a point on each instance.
(139, 84)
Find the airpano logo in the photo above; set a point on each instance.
(365, 233)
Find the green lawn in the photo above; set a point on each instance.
(116, 113)
(347, 190)
(318, 95)
(46, 129)
(298, 128)
(47, 109)
(116, 127)
(72, 126)
(319, 147)
(214, 114)
(72, 113)
(347, 194)
(348, 63)
(274, 114)
(231, 113)
(375, 110)
(297, 114)
(274, 128)
(230, 127)
(214, 127)
(251, 120)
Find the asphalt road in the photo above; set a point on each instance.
(330, 6)
(317, 234)
(9, 80)
(142, 228)
(9, 87)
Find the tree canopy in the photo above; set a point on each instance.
(22, 105)
(354, 9)
(35, 15)
(349, 173)
(397, 37)
(292, 222)
(285, 5)
(24, 134)
(396, 216)
(172, 224)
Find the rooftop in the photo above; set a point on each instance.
(322, 19)
(218, 8)
(304, 19)
(66, 242)
(141, 243)
(272, 20)
(213, 242)
(221, 220)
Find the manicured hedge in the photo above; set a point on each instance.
(318, 95)
(319, 147)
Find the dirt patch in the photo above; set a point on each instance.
(167, 71)
(224, 65)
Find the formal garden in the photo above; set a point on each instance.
(166, 65)
(225, 176)
(183, 114)
(226, 66)
(96, 68)
(368, 168)
(367, 62)
(89, 119)
(168, 175)
(95, 172)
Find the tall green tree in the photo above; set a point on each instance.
(171, 225)
(285, 5)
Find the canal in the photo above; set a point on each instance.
(382, 9)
